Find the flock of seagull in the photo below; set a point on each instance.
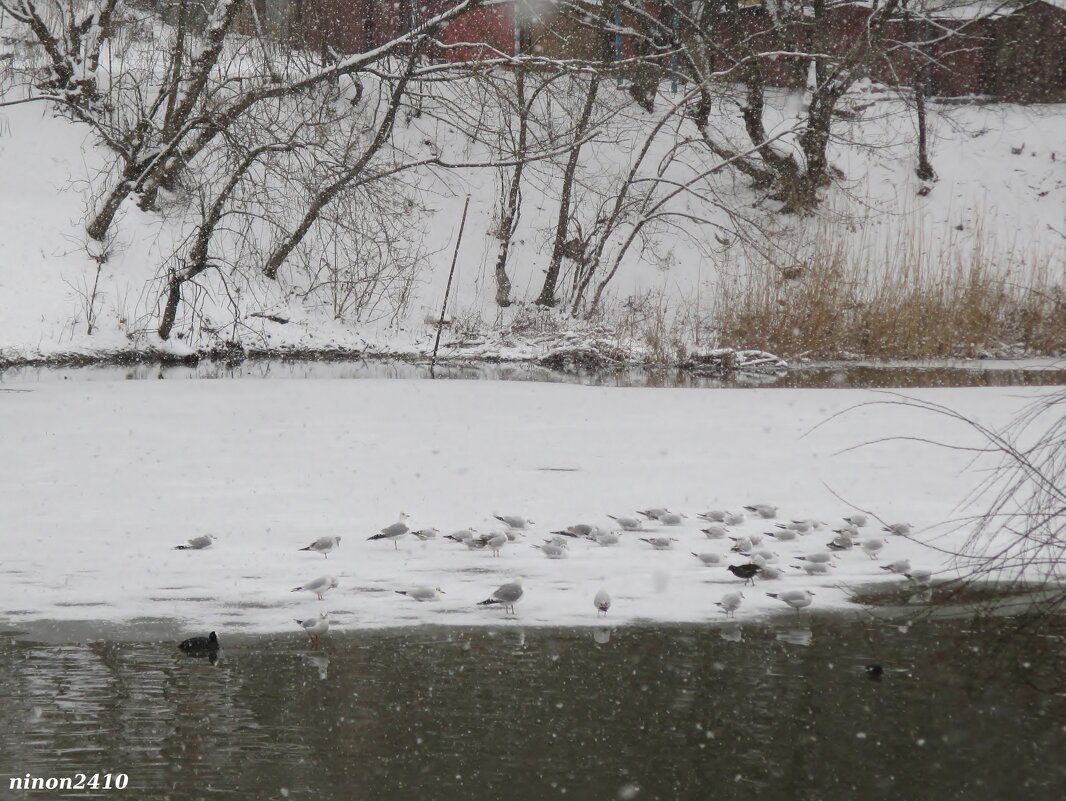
(760, 562)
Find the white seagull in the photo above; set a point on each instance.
(734, 518)
(602, 602)
(797, 599)
(730, 603)
(857, 519)
(713, 516)
(715, 531)
(872, 546)
(553, 550)
(315, 627)
(900, 529)
(507, 595)
(709, 557)
(323, 545)
(763, 510)
(423, 593)
(659, 543)
(516, 522)
(628, 523)
(393, 532)
(319, 586)
(899, 566)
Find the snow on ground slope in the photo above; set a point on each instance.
(1002, 189)
(99, 481)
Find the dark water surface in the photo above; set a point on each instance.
(762, 712)
(963, 374)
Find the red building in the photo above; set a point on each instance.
(1016, 55)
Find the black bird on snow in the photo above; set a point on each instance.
(201, 646)
(746, 572)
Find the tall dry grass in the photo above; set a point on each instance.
(965, 300)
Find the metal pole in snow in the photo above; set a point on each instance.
(448, 288)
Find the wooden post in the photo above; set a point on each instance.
(448, 288)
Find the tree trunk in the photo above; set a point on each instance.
(514, 194)
(547, 292)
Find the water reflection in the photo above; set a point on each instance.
(823, 376)
(660, 713)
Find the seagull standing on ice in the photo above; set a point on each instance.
(320, 586)
(323, 545)
(602, 602)
(899, 529)
(709, 557)
(196, 543)
(715, 531)
(784, 535)
(659, 543)
(763, 510)
(730, 603)
(628, 523)
(315, 627)
(872, 546)
(423, 593)
(426, 534)
(461, 535)
(713, 516)
(553, 550)
(576, 530)
(606, 538)
(899, 566)
(507, 595)
(393, 532)
(858, 520)
(734, 518)
(797, 599)
(654, 514)
(516, 522)
(495, 542)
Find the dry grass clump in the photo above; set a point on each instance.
(904, 305)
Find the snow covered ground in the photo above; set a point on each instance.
(99, 480)
(1001, 193)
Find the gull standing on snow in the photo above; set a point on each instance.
(461, 535)
(841, 542)
(606, 538)
(422, 593)
(393, 532)
(899, 529)
(516, 522)
(426, 534)
(320, 586)
(713, 516)
(659, 543)
(816, 568)
(494, 542)
(507, 595)
(734, 518)
(799, 526)
(858, 520)
(763, 510)
(797, 599)
(818, 557)
(628, 523)
(741, 545)
(654, 514)
(730, 603)
(315, 627)
(323, 545)
(196, 543)
(899, 566)
(784, 535)
(709, 557)
(602, 602)
(715, 531)
(872, 546)
(671, 519)
(553, 550)
(576, 530)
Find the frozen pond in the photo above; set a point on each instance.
(771, 712)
